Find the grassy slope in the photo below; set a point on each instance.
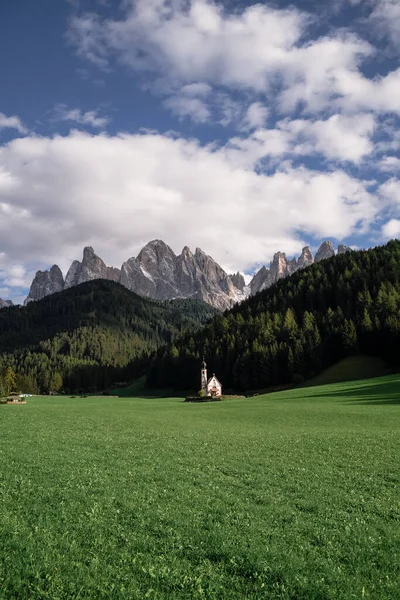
(290, 496)
(138, 389)
(350, 369)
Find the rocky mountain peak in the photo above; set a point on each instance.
(45, 283)
(306, 258)
(5, 303)
(342, 249)
(280, 266)
(187, 253)
(238, 281)
(259, 279)
(88, 253)
(157, 272)
(325, 250)
(91, 267)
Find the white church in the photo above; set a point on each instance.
(210, 387)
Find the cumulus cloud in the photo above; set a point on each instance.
(391, 229)
(75, 115)
(390, 193)
(117, 193)
(190, 102)
(338, 138)
(258, 50)
(386, 17)
(11, 123)
(390, 164)
(255, 117)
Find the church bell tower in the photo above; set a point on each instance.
(204, 376)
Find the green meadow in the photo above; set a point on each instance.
(293, 495)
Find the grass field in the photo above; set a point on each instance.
(288, 496)
(350, 369)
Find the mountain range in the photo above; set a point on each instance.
(157, 272)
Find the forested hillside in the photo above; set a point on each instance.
(335, 308)
(89, 336)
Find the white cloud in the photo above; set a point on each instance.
(390, 193)
(255, 117)
(259, 50)
(390, 164)
(117, 193)
(338, 138)
(12, 123)
(190, 102)
(197, 89)
(75, 115)
(391, 229)
(193, 41)
(194, 108)
(356, 92)
(386, 17)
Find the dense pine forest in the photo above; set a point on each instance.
(345, 305)
(88, 337)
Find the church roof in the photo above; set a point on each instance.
(214, 377)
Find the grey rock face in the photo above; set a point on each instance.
(52, 281)
(282, 267)
(325, 250)
(91, 267)
(158, 273)
(279, 266)
(238, 281)
(305, 259)
(259, 279)
(72, 275)
(45, 283)
(342, 249)
(5, 303)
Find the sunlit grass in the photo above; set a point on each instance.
(286, 496)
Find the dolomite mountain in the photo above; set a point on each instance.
(157, 272)
(280, 266)
(91, 267)
(5, 303)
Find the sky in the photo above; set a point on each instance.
(239, 128)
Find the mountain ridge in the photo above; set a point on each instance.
(158, 273)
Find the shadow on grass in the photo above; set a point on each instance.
(377, 392)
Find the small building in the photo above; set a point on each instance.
(210, 387)
(15, 398)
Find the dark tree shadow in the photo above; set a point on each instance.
(386, 390)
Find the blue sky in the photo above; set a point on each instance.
(241, 128)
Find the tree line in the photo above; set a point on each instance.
(303, 324)
(88, 337)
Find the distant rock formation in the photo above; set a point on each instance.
(5, 303)
(91, 267)
(325, 251)
(45, 283)
(157, 272)
(281, 267)
(305, 259)
(238, 281)
(342, 249)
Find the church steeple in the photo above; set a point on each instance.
(204, 376)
